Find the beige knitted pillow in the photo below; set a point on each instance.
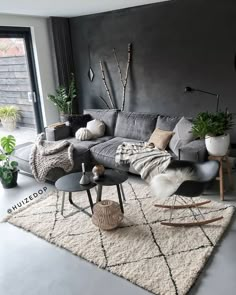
(161, 138)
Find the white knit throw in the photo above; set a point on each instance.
(46, 155)
(147, 160)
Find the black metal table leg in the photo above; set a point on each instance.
(122, 192)
(99, 193)
(76, 206)
(62, 202)
(120, 198)
(90, 200)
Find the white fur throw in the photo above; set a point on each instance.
(83, 134)
(164, 185)
(96, 127)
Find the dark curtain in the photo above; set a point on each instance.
(62, 51)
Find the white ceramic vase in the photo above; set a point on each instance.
(217, 145)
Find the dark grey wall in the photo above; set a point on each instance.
(175, 44)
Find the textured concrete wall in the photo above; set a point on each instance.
(175, 44)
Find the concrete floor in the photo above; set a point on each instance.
(32, 266)
(21, 134)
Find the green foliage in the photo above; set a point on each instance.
(213, 124)
(7, 167)
(8, 143)
(64, 97)
(9, 113)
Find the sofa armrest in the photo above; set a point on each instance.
(54, 134)
(194, 151)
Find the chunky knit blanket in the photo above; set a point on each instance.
(146, 159)
(46, 155)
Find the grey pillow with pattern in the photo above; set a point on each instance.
(182, 135)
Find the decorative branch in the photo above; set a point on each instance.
(118, 65)
(105, 84)
(125, 80)
(107, 105)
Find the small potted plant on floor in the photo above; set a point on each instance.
(8, 168)
(9, 116)
(63, 99)
(214, 128)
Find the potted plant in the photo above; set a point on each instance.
(214, 128)
(9, 116)
(8, 168)
(63, 99)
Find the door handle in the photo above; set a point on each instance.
(32, 97)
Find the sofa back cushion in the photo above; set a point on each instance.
(107, 116)
(137, 126)
(167, 123)
(182, 135)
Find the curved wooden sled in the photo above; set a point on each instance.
(192, 205)
(203, 222)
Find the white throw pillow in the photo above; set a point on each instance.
(96, 127)
(83, 134)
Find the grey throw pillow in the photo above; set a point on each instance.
(166, 122)
(182, 136)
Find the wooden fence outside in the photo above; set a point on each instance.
(14, 88)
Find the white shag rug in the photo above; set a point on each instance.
(163, 260)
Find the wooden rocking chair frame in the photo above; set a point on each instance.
(189, 189)
(190, 206)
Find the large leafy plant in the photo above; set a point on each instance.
(212, 124)
(7, 167)
(64, 97)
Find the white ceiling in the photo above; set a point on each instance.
(67, 8)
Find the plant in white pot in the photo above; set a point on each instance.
(214, 128)
(63, 99)
(9, 116)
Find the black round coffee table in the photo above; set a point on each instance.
(111, 177)
(69, 184)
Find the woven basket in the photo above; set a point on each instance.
(107, 215)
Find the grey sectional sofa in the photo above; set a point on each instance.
(120, 127)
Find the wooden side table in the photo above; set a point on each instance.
(221, 160)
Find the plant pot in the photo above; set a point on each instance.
(9, 125)
(217, 145)
(64, 117)
(13, 182)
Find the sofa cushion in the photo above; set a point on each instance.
(167, 123)
(161, 138)
(138, 126)
(78, 121)
(87, 144)
(104, 153)
(21, 155)
(96, 127)
(107, 116)
(182, 136)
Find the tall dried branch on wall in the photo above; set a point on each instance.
(104, 101)
(125, 80)
(106, 87)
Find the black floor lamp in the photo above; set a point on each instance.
(190, 89)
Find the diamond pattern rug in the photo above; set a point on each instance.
(160, 259)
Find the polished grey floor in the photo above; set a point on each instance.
(21, 134)
(32, 266)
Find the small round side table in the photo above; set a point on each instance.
(69, 184)
(111, 177)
